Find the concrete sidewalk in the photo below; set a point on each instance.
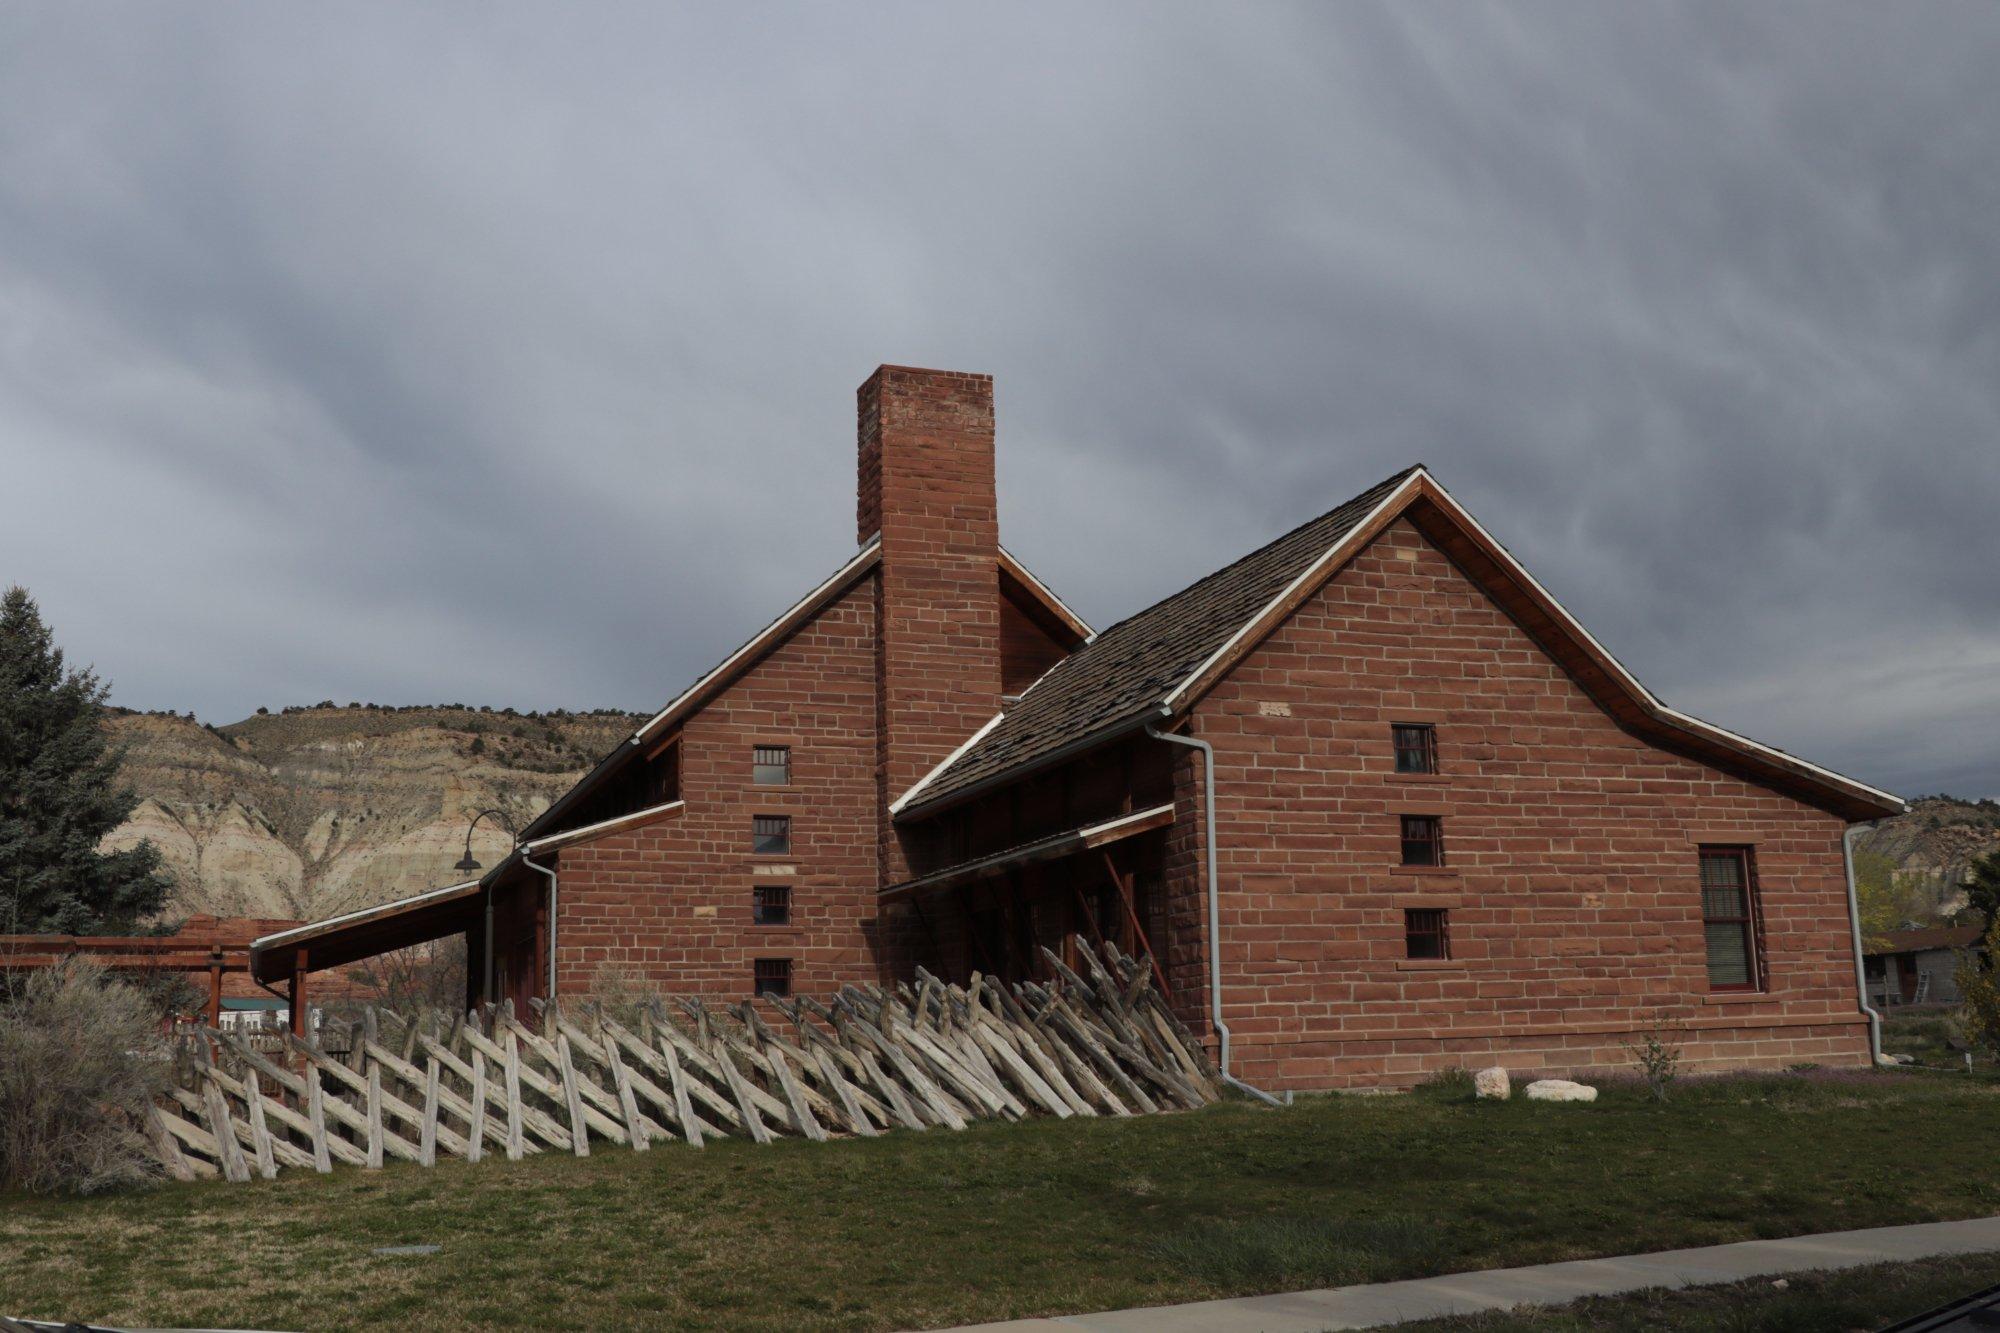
(1543, 1284)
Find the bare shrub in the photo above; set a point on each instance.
(420, 978)
(81, 1060)
(620, 994)
(1659, 1059)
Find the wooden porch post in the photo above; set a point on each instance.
(541, 971)
(215, 987)
(301, 1021)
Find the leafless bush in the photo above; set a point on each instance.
(81, 1059)
(1658, 1055)
(420, 978)
(620, 993)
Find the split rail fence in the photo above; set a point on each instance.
(420, 1087)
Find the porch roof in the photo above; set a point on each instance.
(1066, 843)
(426, 916)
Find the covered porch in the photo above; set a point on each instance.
(504, 921)
(996, 913)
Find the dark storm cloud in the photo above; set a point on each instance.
(505, 353)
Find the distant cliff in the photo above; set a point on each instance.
(315, 811)
(1934, 846)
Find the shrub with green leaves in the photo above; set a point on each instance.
(1979, 992)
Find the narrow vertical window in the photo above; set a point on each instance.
(1729, 918)
(1416, 747)
(771, 765)
(771, 835)
(1423, 840)
(772, 976)
(771, 904)
(1426, 933)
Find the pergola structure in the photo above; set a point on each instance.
(130, 953)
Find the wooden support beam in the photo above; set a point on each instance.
(215, 988)
(301, 1020)
(1139, 940)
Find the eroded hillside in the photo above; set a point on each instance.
(316, 811)
(1934, 845)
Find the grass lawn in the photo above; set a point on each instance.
(1860, 1299)
(1011, 1220)
(1926, 1035)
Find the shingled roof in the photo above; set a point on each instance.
(1129, 671)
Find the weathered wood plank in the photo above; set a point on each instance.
(228, 1151)
(375, 1130)
(829, 1071)
(512, 1061)
(802, 1117)
(427, 1137)
(322, 1146)
(476, 1128)
(753, 1122)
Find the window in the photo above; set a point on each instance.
(771, 835)
(1423, 840)
(771, 904)
(1728, 918)
(1426, 933)
(772, 976)
(771, 766)
(1416, 747)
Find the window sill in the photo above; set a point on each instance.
(770, 788)
(1430, 965)
(1426, 779)
(1426, 872)
(1738, 997)
(773, 858)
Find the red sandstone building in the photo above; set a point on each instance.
(1372, 799)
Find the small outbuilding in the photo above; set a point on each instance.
(1918, 966)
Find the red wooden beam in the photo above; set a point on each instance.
(1132, 915)
(301, 1026)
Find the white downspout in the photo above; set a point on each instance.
(1209, 854)
(529, 862)
(1854, 919)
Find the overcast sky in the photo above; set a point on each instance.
(506, 354)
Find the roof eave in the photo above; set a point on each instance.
(1124, 726)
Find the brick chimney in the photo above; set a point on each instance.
(926, 484)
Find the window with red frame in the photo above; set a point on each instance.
(772, 976)
(1729, 919)
(1426, 933)
(771, 835)
(1416, 747)
(1423, 840)
(771, 904)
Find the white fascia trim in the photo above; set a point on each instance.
(379, 909)
(896, 806)
(1109, 825)
(611, 825)
(1039, 679)
(846, 571)
(1172, 701)
(1694, 723)
(1027, 575)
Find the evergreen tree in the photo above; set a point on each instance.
(1982, 889)
(60, 795)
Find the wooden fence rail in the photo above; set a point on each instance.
(430, 1086)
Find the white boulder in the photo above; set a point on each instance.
(1560, 1090)
(1491, 1083)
